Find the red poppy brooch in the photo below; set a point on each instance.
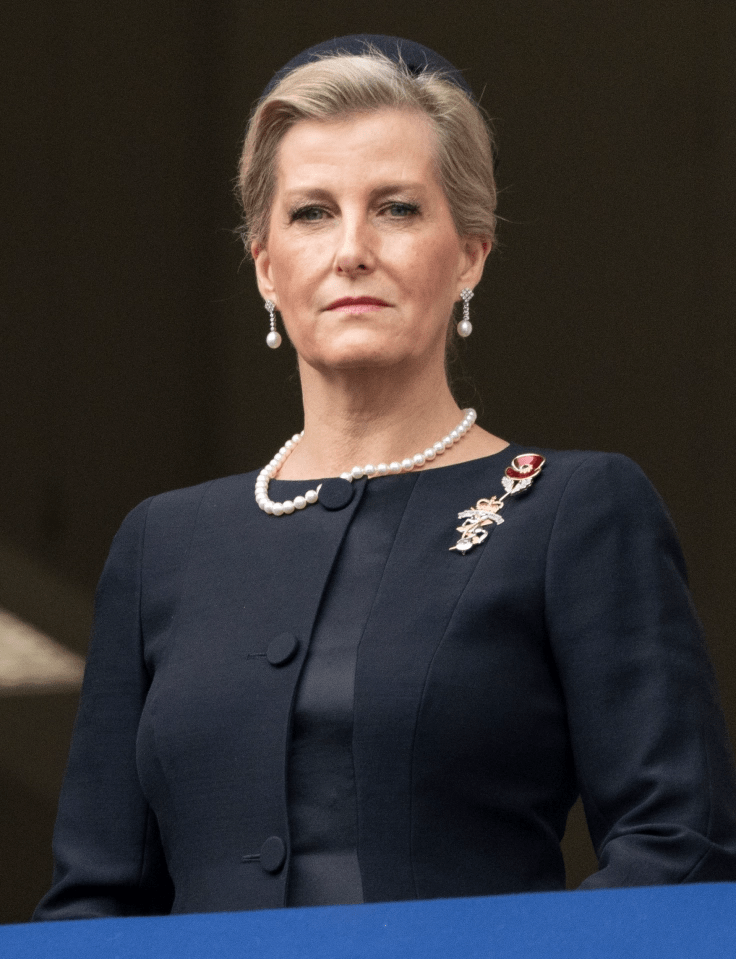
(519, 476)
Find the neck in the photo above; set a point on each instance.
(375, 416)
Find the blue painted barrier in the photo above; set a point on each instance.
(664, 922)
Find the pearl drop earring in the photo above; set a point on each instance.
(465, 327)
(274, 337)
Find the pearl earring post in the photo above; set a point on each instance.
(274, 337)
(465, 327)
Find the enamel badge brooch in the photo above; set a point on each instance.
(519, 476)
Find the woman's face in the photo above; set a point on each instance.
(362, 258)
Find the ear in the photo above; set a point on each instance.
(262, 263)
(475, 249)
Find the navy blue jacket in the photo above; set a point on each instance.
(562, 655)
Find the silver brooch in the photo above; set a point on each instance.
(519, 476)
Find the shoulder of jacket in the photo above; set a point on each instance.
(175, 512)
(572, 459)
(581, 464)
(580, 476)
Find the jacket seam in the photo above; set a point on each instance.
(185, 563)
(579, 779)
(149, 811)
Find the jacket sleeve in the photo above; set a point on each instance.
(107, 851)
(649, 740)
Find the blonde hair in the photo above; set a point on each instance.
(341, 85)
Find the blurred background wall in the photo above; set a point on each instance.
(132, 354)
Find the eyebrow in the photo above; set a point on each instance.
(306, 194)
(407, 187)
(317, 194)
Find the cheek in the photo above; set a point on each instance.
(430, 272)
(289, 275)
(298, 267)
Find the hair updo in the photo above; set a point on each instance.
(338, 86)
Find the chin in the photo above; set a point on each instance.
(359, 360)
(364, 352)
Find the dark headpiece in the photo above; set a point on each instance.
(417, 58)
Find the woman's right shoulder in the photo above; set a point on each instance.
(173, 515)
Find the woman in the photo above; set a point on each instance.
(306, 689)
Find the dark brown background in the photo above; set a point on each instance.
(133, 356)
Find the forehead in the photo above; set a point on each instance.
(387, 144)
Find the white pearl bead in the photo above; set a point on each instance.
(273, 340)
(464, 328)
(312, 495)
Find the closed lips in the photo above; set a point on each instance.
(361, 304)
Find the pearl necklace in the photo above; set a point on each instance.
(369, 471)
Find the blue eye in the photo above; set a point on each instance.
(403, 209)
(308, 213)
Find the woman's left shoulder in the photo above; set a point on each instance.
(597, 497)
(601, 476)
(582, 465)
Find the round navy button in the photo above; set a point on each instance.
(335, 493)
(273, 854)
(282, 649)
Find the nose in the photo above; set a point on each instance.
(355, 254)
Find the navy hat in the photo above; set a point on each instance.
(417, 57)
